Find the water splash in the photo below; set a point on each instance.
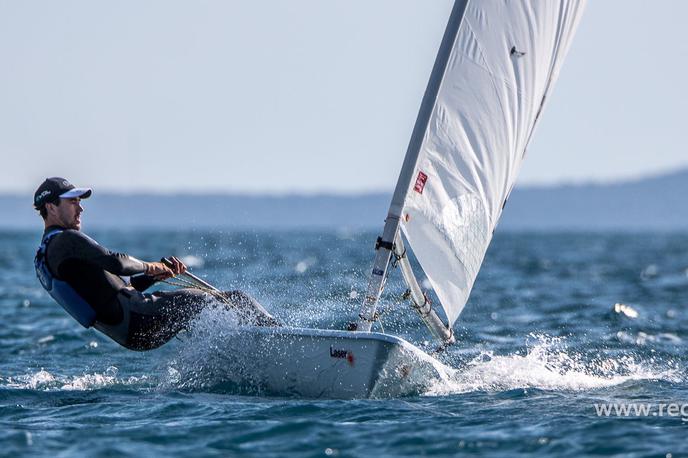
(649, 272)
(193, 261)
(305, 264)
(549, 365)
(643, 338)
(626, 310)
(204, 356)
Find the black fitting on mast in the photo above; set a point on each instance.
(379, 243)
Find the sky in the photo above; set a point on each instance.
(305, 96)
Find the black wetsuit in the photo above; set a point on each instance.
(93, 271)
(135, 320)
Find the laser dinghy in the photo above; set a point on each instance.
(496, 67)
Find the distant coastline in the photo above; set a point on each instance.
(655, 203)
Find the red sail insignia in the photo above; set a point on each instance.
(420, 182)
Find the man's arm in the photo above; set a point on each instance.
(72, 244)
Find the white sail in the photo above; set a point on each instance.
(503, 62)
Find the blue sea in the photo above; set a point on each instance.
(560, 327)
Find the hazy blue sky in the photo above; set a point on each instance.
(305, 95)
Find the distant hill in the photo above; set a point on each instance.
(657, 203)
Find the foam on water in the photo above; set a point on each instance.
(43, 380)
(549, 365)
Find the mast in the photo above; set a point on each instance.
(385, 244)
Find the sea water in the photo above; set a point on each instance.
(571, 344)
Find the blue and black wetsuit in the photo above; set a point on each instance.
(134, 319)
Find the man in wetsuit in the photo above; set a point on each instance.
(86, 279)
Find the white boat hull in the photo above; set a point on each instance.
(319, 363)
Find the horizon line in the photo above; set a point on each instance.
(350, 193)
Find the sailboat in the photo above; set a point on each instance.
(495, 68)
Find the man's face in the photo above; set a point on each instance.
(67, 214)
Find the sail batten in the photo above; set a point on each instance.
(504, 59)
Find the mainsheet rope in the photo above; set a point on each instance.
(189, 282)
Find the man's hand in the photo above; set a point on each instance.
(176, 265)
(159, 271)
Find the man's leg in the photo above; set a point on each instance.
(156, 318)
(150, 320)
(186, 303)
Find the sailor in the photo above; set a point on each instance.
(89, 281)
